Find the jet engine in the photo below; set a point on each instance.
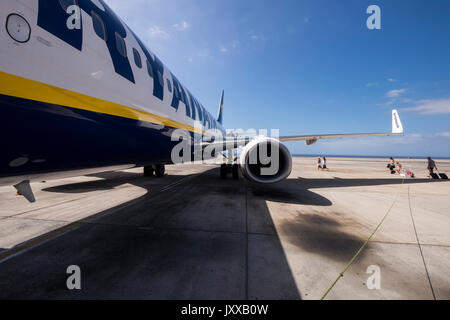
(265, 160)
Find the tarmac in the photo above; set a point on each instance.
(191, 235)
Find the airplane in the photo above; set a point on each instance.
(81, 93)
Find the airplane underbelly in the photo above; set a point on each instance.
(39, 137)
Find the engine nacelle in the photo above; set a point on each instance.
(265, 160)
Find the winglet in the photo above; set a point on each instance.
(397, 126)
(219, 116)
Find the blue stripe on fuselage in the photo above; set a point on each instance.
(68, 138)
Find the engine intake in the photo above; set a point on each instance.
(265, 160)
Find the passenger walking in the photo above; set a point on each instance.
(319, 163)
(431, 166)
(324, 163)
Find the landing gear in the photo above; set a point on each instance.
(148, 171)
(228, 168)
(160, 169)
(235, 171)
(223, 171)
(157, 170)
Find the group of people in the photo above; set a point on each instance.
(396, 167)
(393, 166)
(322, 163)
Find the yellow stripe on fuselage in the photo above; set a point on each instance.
(15, 86)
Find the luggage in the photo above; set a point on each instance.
(443, 176)
(434, 176)
(410, 174)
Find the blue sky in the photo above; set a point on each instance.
(308, 67)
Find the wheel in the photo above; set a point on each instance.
(160, 169)
(148, 171)
(223, 171)
(235, 171)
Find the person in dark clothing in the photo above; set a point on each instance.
(391, 165)
(431, 166)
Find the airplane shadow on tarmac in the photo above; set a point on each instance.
(205, 238)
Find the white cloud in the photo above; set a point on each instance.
(182, 26)
(158, 32)
(431, 107)
(204, 53)
(229, 47)
(395, 93)
(443, 134)
(386, 104)
(392, 80)
(256, 36)
(223, 49)
(371, 84)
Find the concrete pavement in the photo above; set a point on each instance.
(191, 235)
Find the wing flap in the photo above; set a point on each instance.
(334, 136)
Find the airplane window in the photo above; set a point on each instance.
(149, 69)
(121, 46)
(99, 26)
(160, 79)
(67, 3)
(169, 85)
(137, 58)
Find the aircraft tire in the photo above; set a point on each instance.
(148, 171)
(235, 171)
(160, 170)
(223, 171)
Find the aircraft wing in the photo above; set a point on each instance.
(397, 129)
